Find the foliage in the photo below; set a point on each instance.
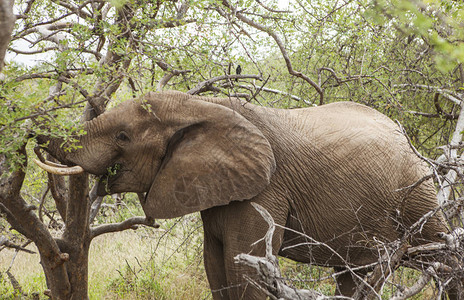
(403, 58)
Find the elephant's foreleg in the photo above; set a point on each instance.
(239, 287)
(214, 265)
(246, 236)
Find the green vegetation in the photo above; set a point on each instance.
(403, 58)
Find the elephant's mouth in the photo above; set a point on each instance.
(107, 180)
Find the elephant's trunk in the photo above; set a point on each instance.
(54, 147)
(66, 152)
(91, 151)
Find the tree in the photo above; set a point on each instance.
(94, 53)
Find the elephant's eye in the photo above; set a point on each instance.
(122, 136)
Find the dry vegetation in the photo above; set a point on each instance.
(125, 265)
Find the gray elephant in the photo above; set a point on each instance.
(336, 172)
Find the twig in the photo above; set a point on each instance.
(279, 92)
(4, 242)
(200, 87)
(259, 90)
(388, 262)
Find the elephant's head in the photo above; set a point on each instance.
(187, 154)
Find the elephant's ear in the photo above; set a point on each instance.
(216, 156)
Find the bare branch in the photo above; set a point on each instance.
(387, 264)
(446, 93)
(404, 293)
(278, 92)
(4, 242)
(205, 85)
(268, 267)
(130, 223)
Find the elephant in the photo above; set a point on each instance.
(341, 173)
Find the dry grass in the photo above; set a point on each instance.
(126, 265)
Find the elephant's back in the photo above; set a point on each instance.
(353, 119)
(356, 135)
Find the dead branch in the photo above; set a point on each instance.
(271, 281)
(205, 85)
(268, 267)
(453, 240)
(426, 248)
(445, 92)
(433, 115)
(278, 92)
(404, 293)
(388, 262)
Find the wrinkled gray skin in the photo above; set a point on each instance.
(333, 172)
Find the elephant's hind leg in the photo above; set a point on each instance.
(347, 282)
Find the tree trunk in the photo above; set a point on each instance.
(7, 21)
(22, 218)
(76, 238)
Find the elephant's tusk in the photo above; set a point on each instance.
(58, 169)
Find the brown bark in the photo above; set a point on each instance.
(21, 217)
(76, 238)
